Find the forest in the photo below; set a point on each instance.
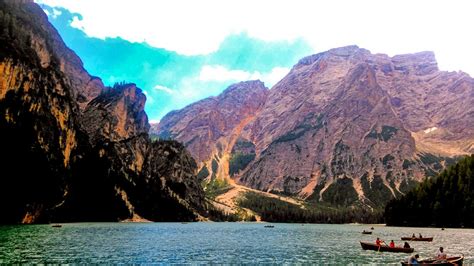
(443, 201)
(276, 210)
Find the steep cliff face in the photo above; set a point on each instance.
(72, 149)
(356, 125)
(349, 127)
(211, 127)
(116, 114)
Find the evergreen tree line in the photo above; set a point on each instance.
(444, 201)
(218, 215)
(221, 216)
(275, 210)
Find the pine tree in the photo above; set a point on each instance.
(446, 200)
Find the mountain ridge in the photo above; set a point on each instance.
(215, 120)
(73, 149)
(346, 121)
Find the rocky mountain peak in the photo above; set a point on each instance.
(215, 121)
(421, 63)
(243, 97)
(341, 52)
(346, 51)
(72, 149)
(244, 88)
(116, 114)
(345, 126)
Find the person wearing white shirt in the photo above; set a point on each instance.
(440, 255)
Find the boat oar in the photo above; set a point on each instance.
(381, 245)
(451, 263)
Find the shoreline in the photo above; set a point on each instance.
(145, 221)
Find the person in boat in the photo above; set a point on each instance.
(441, 255)
(420, 236)
(413, 259)
(392, 244)
(406, 245)
(378, 242)
(413, 236)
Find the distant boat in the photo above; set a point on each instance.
(442, 229)
(371, 228)
(56, 225)
(427, 239)
(366, 232)
(269, 226)
(383, 248)
(449, 261)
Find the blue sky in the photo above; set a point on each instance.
(172, 80)
(180, 51)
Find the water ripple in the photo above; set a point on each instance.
(203, 243)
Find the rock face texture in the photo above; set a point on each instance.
(72, 149)
(346, 127)
(211, 127)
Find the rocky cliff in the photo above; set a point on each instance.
(346, 127)
(72, 149)
(212, 127)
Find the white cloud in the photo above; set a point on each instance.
(221, 73)
(209, 82)
(274, 76)
(198, 27)
(56, 12)
(47, 12)
(77, 23)
(164, 89)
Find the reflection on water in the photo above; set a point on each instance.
(216, 242)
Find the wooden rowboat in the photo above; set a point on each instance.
(370, 246)
(366, 232)
(449, 261)
(428, 239)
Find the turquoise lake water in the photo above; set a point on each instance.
(217, 243)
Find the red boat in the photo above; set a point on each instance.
(449, 261)
(427, 239)
(370, 246)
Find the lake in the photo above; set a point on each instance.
(217, 243)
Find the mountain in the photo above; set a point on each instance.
(447, 200)
(72, 149)
(343, 127)
(212, 127)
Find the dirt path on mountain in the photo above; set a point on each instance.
(230, 197)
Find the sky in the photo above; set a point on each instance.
(181, 51)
